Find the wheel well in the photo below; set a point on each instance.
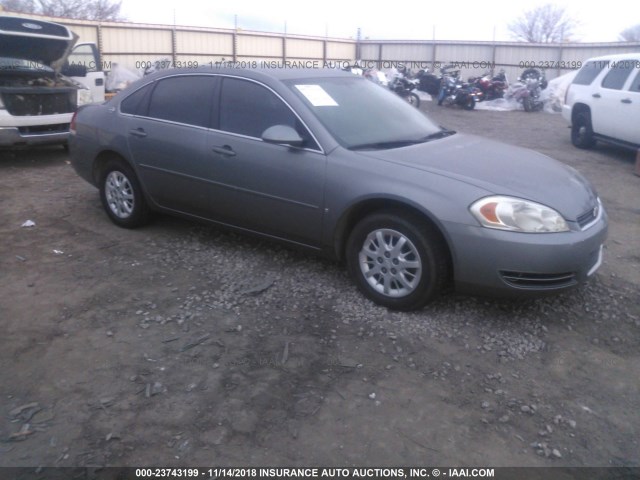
(100, 162)
(579, 108)
(361, 210)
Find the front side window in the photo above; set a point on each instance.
(183, 99)
(618, 74)
(635, 85)
(84, 55)
(247, 108)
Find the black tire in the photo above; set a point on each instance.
(413, 99)
(527, 104)
(469, 103)
(122, 196)
(582, 130)
(426, 267)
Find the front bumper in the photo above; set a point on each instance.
(54, 134)
(510, 263)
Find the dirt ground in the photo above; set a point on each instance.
(180, 344)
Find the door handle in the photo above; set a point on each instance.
(225, 150)
(626, 100)
(596, 95)
(138, 132)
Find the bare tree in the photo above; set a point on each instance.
(631, 34)
(81, 9)
(21, 6)
(544, 24)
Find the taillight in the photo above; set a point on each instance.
(566, 94)
(72, 126)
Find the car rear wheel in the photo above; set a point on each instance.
(582, 131)
(121, 195)
(397, 260)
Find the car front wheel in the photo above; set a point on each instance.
(397, 260)
(121, 195)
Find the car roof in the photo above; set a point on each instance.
(618, 56)
(278, 73)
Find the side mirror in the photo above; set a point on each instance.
(74, 70)
(282, 135)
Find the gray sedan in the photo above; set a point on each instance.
(334, 163)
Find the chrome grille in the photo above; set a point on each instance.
(24, 103)
(589, 216)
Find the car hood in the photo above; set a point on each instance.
(499, 169)
(46, 43)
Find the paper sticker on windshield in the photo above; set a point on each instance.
(317, 95)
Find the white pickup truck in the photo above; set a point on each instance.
(43, 80)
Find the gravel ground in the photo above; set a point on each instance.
(181, 344)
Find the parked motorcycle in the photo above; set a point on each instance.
(454, 91)
(428, 82)
(528, 89)
(404, 87)
(490, 88)
(527, 92)
(535, 74)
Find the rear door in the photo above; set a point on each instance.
(614, 106)
(167, 139)
(630, 108)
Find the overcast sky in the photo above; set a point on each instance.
(409, 19)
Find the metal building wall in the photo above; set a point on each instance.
(135, 45)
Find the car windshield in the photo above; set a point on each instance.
(363, 115)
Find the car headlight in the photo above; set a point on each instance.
(518, 215)
(84, 96)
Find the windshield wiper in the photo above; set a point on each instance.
(384, 145)
(441, 134)
(402, 143)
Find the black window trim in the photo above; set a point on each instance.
(153, 84)
(218, 87)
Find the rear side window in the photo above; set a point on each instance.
(134, 102)
(589, 72)
(618, 74)
(183, 99)
(635, 85)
